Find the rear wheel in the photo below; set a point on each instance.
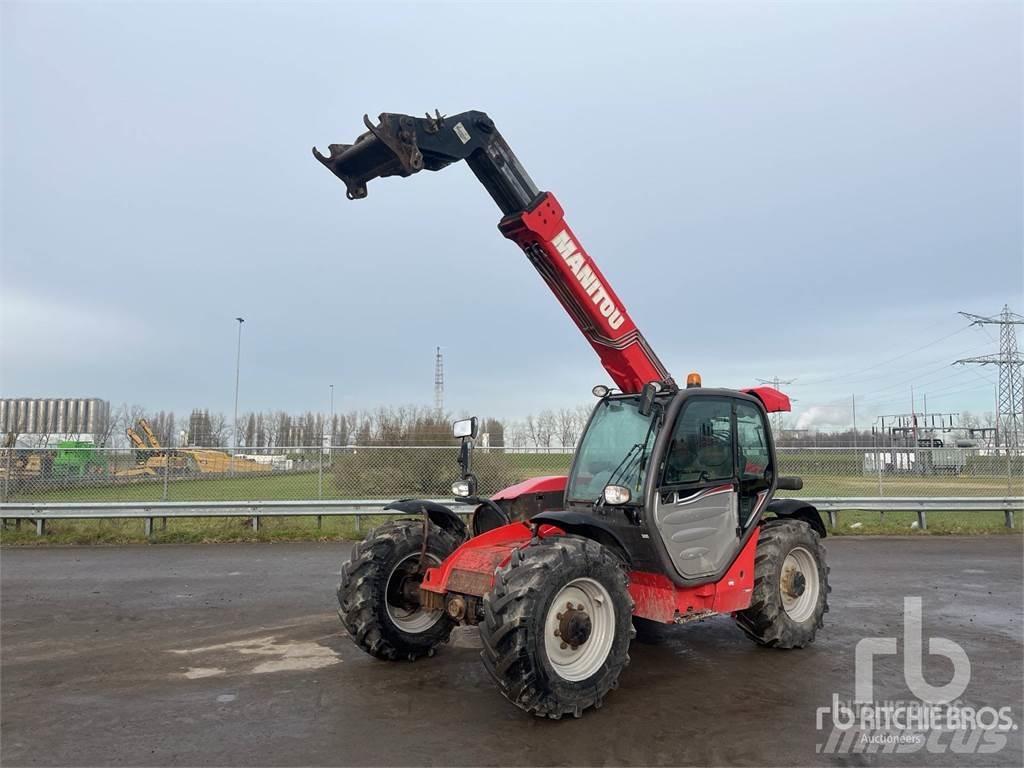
(557, 626)
(379, 591)
(791, 586)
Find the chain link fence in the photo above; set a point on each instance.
(117, 475)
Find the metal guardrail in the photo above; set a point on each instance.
(40, 512)
(922, 506)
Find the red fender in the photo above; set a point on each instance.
(549, 484)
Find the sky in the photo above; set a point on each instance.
(804, 190)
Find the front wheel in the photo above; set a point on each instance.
(557, 626)
(379, 591)
(791, 586)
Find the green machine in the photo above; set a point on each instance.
(77, 458)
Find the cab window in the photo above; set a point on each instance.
(701, 448)
(752, 441)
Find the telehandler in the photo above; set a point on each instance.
(666, 515)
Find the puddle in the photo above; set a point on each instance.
(195, 673)
(260, 655)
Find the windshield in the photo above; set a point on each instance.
(618, 442)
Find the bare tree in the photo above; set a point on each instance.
(339, 430)
(516, 436)
(532, 429)
(250, 431)
(170, 429)
(361, 429)
(567, 426)
(547, 428)
(583, 412)
(106, 436)
(122, 418)
(163, 426)
(495, 430)
(541, 429)
(261, 432)
(283, 437)
(219, 429)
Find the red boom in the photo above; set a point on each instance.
(578, 284)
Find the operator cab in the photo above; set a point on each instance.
(680, 483)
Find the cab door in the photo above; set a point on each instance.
(697, 504)
(754, 466)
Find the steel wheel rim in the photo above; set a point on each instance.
(411, 621)
(799, 584)
(589, 656)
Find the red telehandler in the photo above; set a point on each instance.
(666, 515)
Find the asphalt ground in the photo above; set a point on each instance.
(233, 655)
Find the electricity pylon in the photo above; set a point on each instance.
(1010, 406)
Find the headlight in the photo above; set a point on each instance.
(460, 488)
(617, 494)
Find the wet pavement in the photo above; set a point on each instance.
(233, 655)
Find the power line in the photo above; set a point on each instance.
(958, 392)
(921, 379)
(891, 359)
(942, 392)
(887, 375)
(981, 376)
(917, 379)
(946, 379)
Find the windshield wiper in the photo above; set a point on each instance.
(625, 465)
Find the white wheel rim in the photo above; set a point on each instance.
(590, 599)
(798, 584)
(411, 621)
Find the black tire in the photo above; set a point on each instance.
(366, 612)
(516, 611)
(767, 621)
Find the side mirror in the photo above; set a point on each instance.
(647, 394)
(465, 427)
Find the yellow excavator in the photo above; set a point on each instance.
(137, 441)
(152, 457)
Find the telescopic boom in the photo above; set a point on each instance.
(401, 145)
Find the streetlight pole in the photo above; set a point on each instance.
(238, 368)
(332, 414)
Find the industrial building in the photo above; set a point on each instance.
(54, 416)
